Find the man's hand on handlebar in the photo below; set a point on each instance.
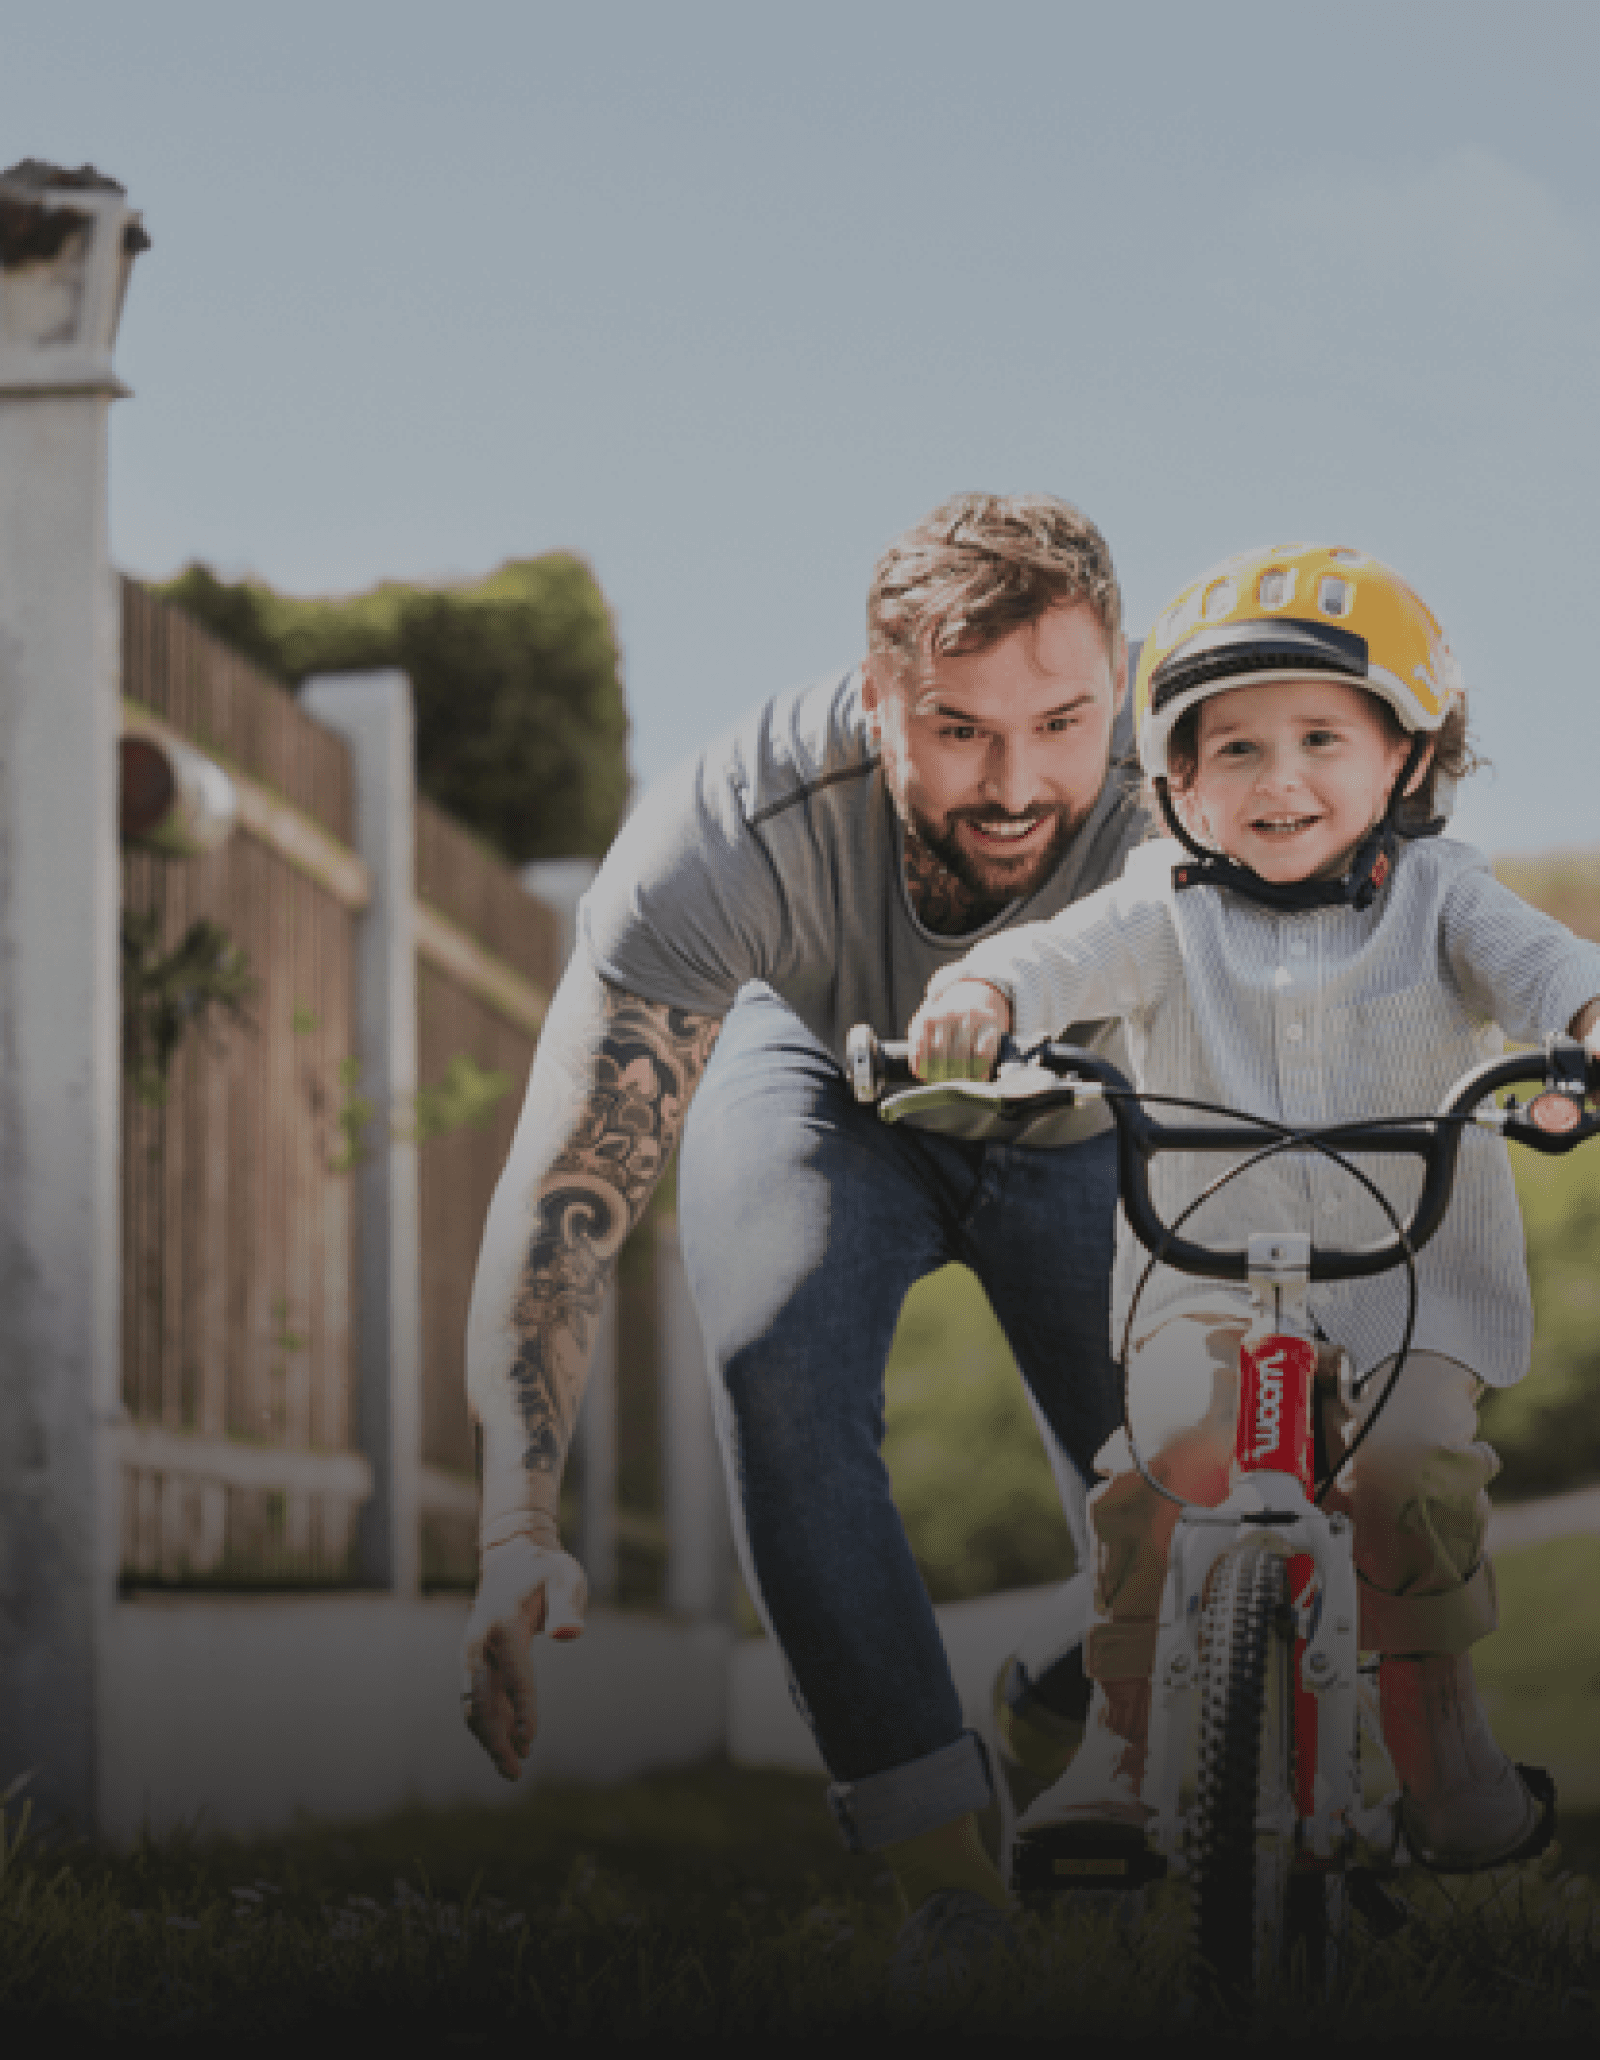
(526, 1587)
(956, 1033)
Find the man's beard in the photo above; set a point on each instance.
(994, 883)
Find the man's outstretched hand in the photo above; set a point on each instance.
(525, 1588)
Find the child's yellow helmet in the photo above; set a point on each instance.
(1284, 612)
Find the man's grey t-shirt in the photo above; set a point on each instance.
(776, 856)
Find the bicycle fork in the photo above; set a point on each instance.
(1271, 1501)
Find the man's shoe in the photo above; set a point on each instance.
(949, 1942)
(1464, 1806)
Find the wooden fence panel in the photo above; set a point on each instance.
(458, 1168)
(232, 710)
(238, 1211)
(482, 895)
(457, 1172)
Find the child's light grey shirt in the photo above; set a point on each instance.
(1319, 1017)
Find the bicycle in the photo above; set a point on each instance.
(1254, 1741)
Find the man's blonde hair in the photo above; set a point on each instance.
(982, 565)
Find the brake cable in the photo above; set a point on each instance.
(1284, 1140)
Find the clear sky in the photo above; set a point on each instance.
(722, 294)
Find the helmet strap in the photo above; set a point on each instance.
(1358, 887)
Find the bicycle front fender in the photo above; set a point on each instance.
(1329, 1662)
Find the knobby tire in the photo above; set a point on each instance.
(1243, 1861)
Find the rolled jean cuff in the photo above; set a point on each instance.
(1450, 1623)
(903, 1802)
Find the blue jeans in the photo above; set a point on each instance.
(805, 1221)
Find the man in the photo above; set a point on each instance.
(808, 872)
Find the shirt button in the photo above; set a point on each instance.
(1295, 1032)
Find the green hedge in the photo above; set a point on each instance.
(522, 729)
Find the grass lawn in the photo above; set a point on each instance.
(1541, 1670)
(710, 1904)
(716, 1903)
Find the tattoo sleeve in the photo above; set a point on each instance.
(606, 1102)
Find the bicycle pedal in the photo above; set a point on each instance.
(1059, 1858)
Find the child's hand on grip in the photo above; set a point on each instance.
(956, 1033)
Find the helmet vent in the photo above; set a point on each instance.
(1277, 586)
(1221, 600)
(1335, 596)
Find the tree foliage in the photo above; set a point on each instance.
(522, 728)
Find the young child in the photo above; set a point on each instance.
(1309, 950)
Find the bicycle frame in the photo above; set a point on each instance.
(1205, 1822)
(1272, 1500)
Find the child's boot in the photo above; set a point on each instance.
(1103, 1783)
(1087, 1831)
(1036, 1725)
(1463, 1804)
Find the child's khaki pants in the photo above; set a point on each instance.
(1416, 1492)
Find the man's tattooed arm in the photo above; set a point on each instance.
(606, 1101)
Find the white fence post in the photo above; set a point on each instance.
(67, 241)
(561, 883)
(694, 1494)
(373, 713)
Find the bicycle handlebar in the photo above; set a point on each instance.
(1060, 1076)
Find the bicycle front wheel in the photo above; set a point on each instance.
(1244, 1850)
